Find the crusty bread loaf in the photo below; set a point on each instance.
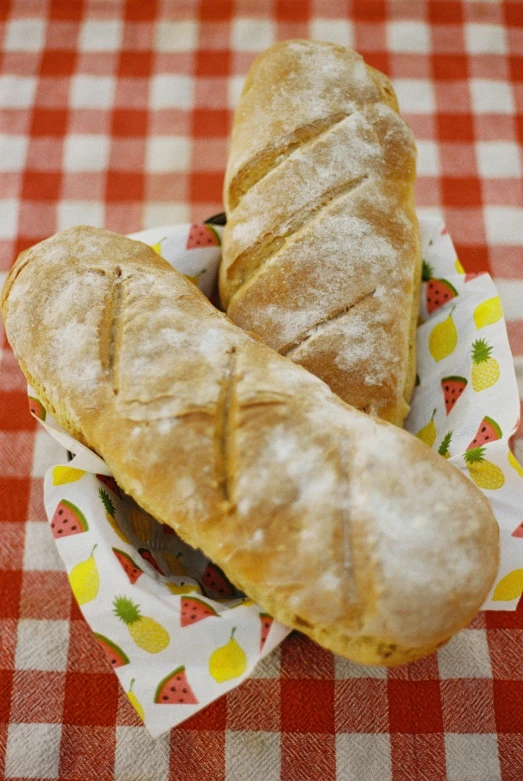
(321, 253)
(342, 526)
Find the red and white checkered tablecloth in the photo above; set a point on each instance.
(117, 114)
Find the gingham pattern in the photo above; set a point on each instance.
(117, 114)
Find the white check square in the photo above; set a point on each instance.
(472, 756)
(168, 153)
(9, 209)
(86, 152)
(498, 159)
(491, 97)
(234, 90)
(40, 551)
(164, 213)
(252, 35)
(24, 35)
(42, 644)
(176, 36)
(17, 91)
(408, 37)
(71, 213)
(33, 751)
(243, 749)
(333, 30)
(485, 38)
(171, 90)
(415, 96)
(504, 224)
(465, 656)
(92, 91)
(98, 36)
(13, 151)
(428, 158)
(363, 756)
(135, 742)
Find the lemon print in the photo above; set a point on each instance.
(443, 338)
(510, 587)
(85, 580)
(427, 434)
(183, 588)
(66, 474)
(135, 702)
(147, 633)
(485, 370)
(459, 268)
(484, 473)
(514, 463)
(158, 246)
(488, 312)
(228, 662)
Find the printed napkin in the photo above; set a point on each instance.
(177, 633)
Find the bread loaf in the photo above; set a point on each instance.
(321, 253)
(339, 525)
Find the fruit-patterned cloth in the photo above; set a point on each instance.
(173, 628)
(117, 113)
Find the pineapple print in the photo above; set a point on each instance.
(110, 514)
(482, 472)
(147, 633)
(443, 449)
(485, 370)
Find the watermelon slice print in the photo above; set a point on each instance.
(266, 623)
(438, 293)
(111, 484)
(68, 520)
(202, 236)
(214, 580)
(114, 653)
(518, 531)
(194, 610)
(36, 408)
(452, 387)
(175, 690)
(488, 431)
(148, 556)
(131, 569)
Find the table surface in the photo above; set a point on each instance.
(117, 114)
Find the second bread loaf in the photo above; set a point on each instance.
(321, 254)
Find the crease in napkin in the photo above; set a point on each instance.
(176, 632)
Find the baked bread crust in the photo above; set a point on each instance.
(321, 252)
(311, 507)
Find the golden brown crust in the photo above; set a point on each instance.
(320, 217)
(310, 506)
